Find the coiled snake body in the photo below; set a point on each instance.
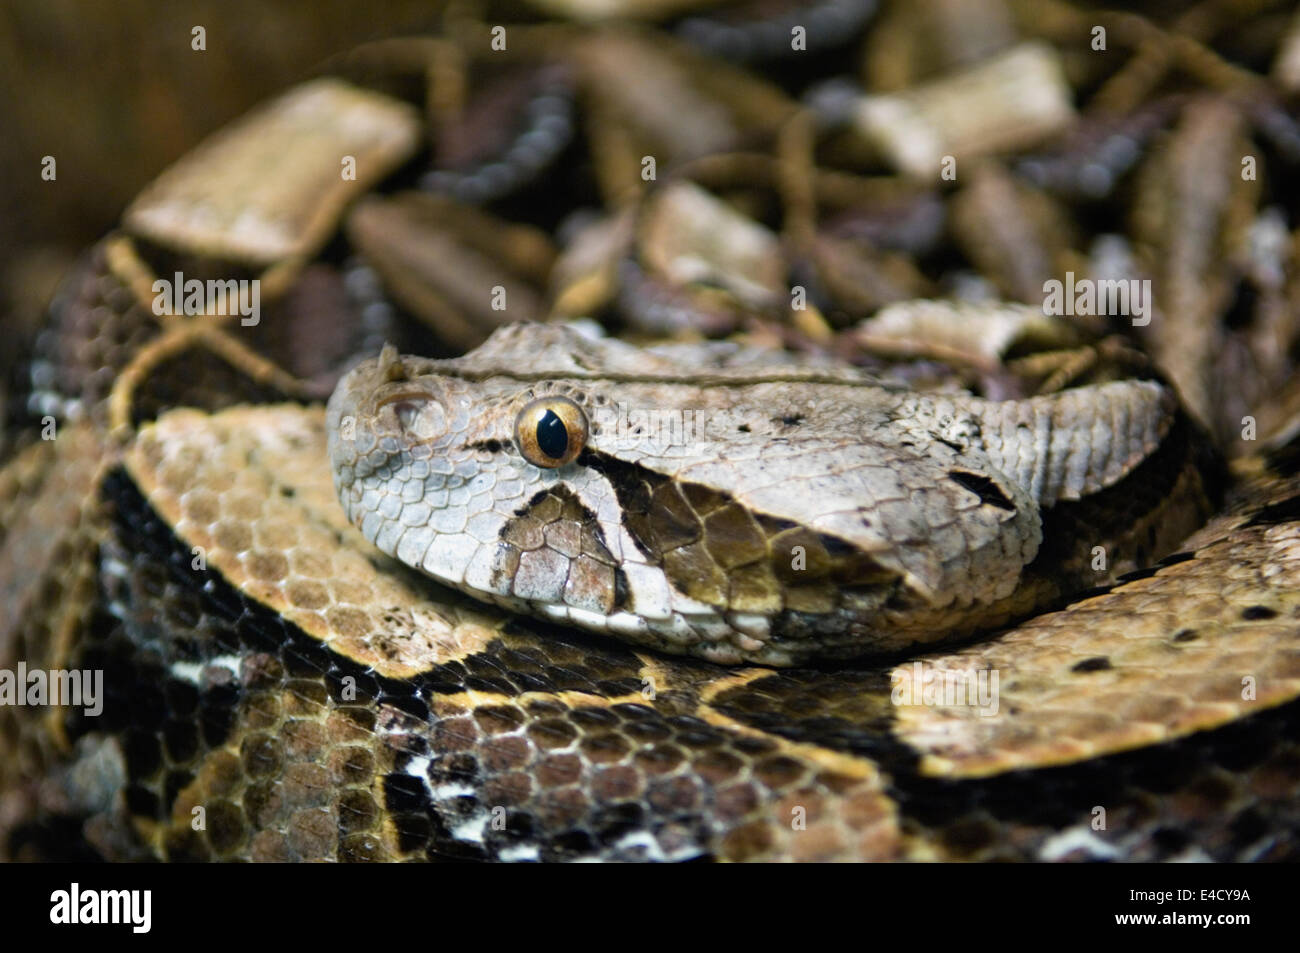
(831, 616)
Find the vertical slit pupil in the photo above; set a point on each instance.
(552, 437)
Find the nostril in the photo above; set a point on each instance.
(421, 419)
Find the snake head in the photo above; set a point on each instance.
(739, 513)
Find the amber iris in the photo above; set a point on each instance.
(551, 431)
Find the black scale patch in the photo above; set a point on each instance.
(717, 551)
(1010, 816)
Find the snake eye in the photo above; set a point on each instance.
(551, 431)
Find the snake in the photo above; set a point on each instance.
(566, 596)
